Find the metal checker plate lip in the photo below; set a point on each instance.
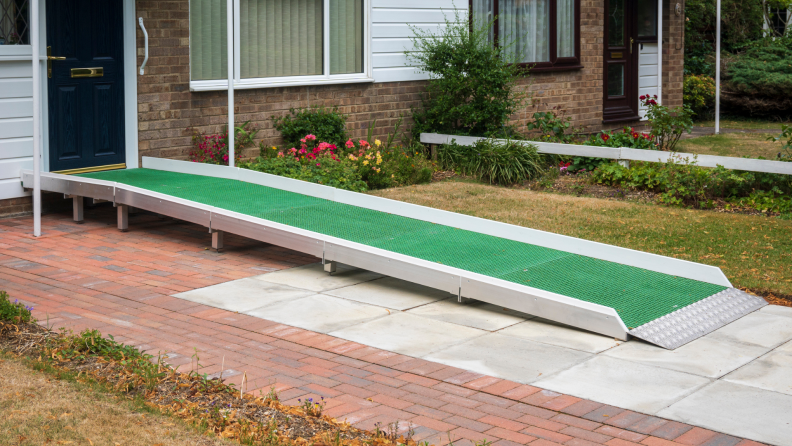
(698, 319)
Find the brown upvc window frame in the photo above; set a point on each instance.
(556, 63)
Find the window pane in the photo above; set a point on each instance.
(208, 48)
(647, 19)
(566, 28)
(346, 36)
(483, 13)
(280, 38)
(14, 22)
(523, 26)
(616, 80)
(616, 23)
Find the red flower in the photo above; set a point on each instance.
(604, 136)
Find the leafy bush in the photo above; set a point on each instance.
(681, 182)
(496, 162)
(213, 149)
(471, 88)
(322, 169)
(786, 137)
(14, 312)
(699, 93)
(382, 165)
(667, 125)
(552, 125)
(327, 124)
(760, 79)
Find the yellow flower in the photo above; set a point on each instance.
(377, 142)
(274, 148)
(379, 160)
(365, 162)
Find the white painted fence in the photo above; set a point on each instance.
(623, 153)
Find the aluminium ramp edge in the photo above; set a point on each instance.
(564, 309)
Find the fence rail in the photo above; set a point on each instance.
(626, 154)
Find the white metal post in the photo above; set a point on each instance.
(717, 67)
(659, 51)
(230, 38)
(34, 46)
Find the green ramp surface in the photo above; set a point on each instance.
(638, 295)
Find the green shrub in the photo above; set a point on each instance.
(14, 312)
(667, 124)
(764, 69)
(213, 149)
(681, 182)
(471, 88)
(496, 162)
(323, 169)
(383, 165)
(552, 125)
(699, 93)
(328, 125)
(786, 137)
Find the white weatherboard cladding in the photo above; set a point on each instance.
(390, 33)
(16, 125)
(647, 73)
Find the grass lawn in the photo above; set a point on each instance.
(754, 252)
(36, 408)
(751, 145)
(743, 123)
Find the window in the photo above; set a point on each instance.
(279, 43)
(14, 22)
(544, 34)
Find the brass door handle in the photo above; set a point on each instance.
(632, 42)
(50, 58)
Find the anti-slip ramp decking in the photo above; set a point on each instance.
(594, 286)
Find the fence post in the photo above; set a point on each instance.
(625, 163)
(433, 151)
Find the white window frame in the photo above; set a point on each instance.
(293, 81)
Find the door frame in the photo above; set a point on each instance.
(622, 113)
(130, 85)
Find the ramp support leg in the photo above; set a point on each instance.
(217, 241)
(78, 205)
(330, 266)
(123, 217)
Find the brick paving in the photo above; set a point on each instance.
(92, 276)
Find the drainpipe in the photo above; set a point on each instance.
(230, 37)
(717, 67)
(34, 47)
(659, 51)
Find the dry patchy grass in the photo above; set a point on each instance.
(37, 408)
(752, 145)
(755, 252)
(751, 124)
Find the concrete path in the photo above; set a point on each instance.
(394, 352)
(737, 380)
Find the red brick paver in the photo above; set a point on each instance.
(92, 276)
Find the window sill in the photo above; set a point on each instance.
(297, 81)
(556, 68)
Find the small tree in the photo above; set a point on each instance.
(471, 87)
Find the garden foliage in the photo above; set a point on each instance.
(471, 89)
(495, 162)
(327, 124)
(14, 312)
(553, 126)
(681, 182)
(667, 125)
(699, 93)
(213, 149)
(760, 79)
(785, 137)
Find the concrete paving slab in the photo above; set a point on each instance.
(708, 357)
(509, 357)
(548, 332)
(772, 371)
(625, 384)
(312, 277)
(319, 313)
(392, 293)
(777, 310)
(408, 334)
(739, 410)
(760, 328)
(471, 314)
(243, 294)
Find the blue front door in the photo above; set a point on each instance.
(86, 89)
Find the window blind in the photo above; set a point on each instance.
(566, 28)
(346, 36)
(280, 38)
(208, 48)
